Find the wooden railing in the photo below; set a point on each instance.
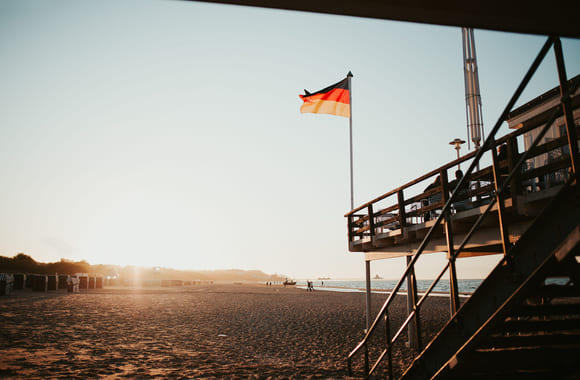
(373, 217)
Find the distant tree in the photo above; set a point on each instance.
(18, 263)
(23, 258)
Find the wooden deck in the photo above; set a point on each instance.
(394, 224)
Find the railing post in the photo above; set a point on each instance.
(453, 289)
(368, 293)
(402, 213)
(349, 224)
(371, 221)
(389, 346)
(414, 329)
(367, 369)
(565, 93)
(516, 183)
(368, 269)
(501, 213)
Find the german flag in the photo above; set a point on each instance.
(333, 100)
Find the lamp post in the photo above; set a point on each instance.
(457, 142)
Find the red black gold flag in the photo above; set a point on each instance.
(333, 100)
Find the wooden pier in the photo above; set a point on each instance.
(524, 319)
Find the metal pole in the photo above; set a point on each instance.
(349, 76)
(368, 293)
(413, 327)
(472, 93)
(367, 262)
(453, 289)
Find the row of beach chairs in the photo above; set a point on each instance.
(43, 282)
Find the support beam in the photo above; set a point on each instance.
(453, 288)
(368, 292)
(415, 324)
(558, 18)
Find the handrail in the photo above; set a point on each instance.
(411, 183)
(489, 144)
(465, 157)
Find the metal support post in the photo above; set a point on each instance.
(368, 286)
(414, 328)
(516, 184)
(389, 345)
(501, 213)
(453, 289)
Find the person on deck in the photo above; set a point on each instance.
(433, 198)
(462, 199)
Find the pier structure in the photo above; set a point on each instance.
(519, 198)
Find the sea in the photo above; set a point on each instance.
(466, 286)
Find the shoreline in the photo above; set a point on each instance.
(434, 293)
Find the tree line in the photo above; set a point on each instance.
(22, 263)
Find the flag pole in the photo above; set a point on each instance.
(349, 76)
(367, 263)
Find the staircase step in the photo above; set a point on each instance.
(511, 361)
(558, 291)
(536, 325)
(548, 309)
(532, 340)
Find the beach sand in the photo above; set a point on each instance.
(201, 331)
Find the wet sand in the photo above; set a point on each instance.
(202, 331)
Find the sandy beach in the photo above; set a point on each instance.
(202, 331)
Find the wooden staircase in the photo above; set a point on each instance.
(524, 319)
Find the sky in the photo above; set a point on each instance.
(168, 133)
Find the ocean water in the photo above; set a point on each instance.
(466, 286)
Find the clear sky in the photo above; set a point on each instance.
(169, 133)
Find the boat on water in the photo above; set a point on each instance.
(289, 282)
(377, 277)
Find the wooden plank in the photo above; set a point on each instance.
(531, 340)
(555, 291)
(360, 221)
(525, 359)
(548, 146)
(482, 190)
(359, 231)
(562, 162)
(548, 309)
(385, 222)
(536, 325)
(483, 174)
(387, 210)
